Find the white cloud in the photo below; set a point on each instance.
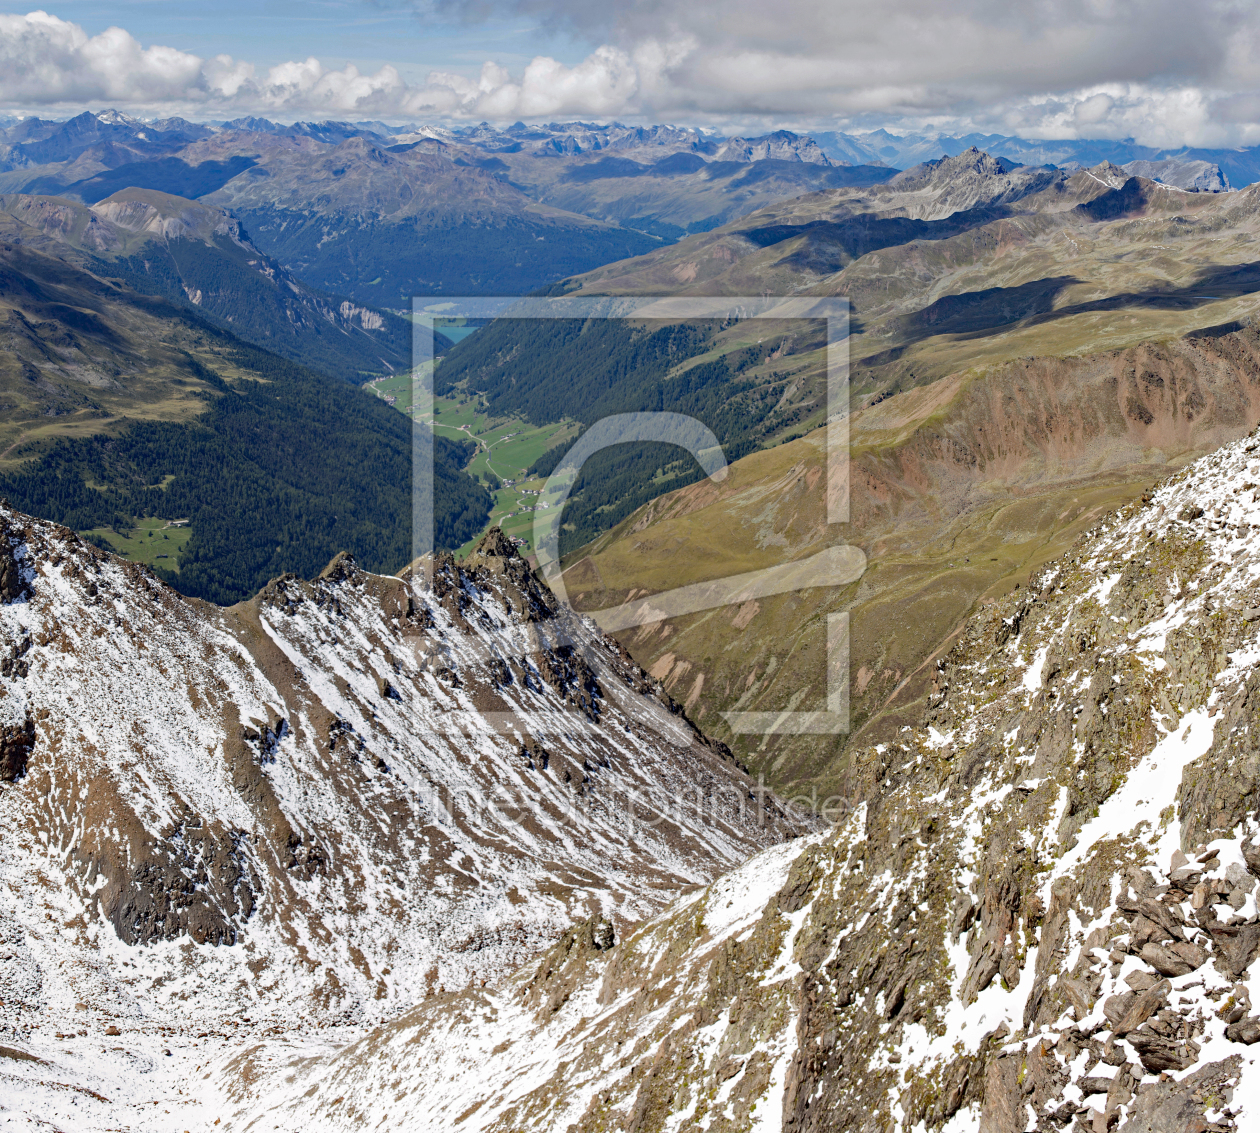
(46, 60)
(1161, 71)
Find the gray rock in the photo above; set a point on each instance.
(1141, 1007)
(1185, 874)
(1173, 1107)
(1244, 1031)
(12, 585)
(1162, 1052)
(1237, 874)
(1236, 947)
(1190, 952)
(1165, 960)
(1116, 1006)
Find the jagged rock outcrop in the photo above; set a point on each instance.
(1041, 914)
(971, 179)
(312, 807)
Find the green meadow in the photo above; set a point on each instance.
(151, 541)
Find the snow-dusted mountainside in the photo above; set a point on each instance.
(1042, 914)
(315, 807)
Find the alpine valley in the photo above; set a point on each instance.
(301, 832)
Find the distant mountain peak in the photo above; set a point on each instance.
(1183, 173)
(781, 145)
(972, 162)
(117, 118)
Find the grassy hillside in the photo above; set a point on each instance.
(119, 406)
(959, 490)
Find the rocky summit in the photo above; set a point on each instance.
(1040, 915)
(301, 813)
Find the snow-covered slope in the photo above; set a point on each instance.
(1042, 913)
(313, 808)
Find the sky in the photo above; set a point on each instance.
(1162, 72)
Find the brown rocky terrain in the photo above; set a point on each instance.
(1039, 911)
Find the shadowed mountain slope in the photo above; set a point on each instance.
(200, 257)
(120, 405)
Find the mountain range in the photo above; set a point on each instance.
(421, 211)
(1237, 167)
(477, 210)
(300, 838)
(1036, 907)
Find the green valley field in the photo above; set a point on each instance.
(506, 448)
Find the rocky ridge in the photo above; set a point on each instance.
(1040, 913)
(315, 807)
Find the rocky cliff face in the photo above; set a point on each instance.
(1041, 914)
(341, 797)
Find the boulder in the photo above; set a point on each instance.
(1162, 1052)
(1165, 961)
(1141, 1007)
(1244, 1031)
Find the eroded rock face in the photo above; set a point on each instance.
(16, 742)
(192, 881)
(12, 556)
(363, 791)
(1042, 914)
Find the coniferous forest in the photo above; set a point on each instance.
(550, 370)
(276, 475)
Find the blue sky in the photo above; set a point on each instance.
(368, 35)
